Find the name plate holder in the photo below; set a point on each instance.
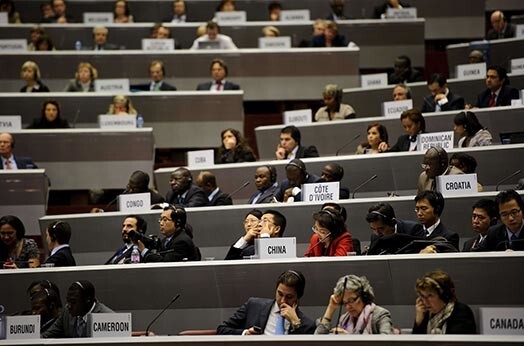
(374, 80)
(114, 85)
(435, 139)
(20, 327)
(298, 117)
(295, 15)
(501, 321)
(198, 158)
(13, 46)
(281, 42)
(517, 66)
(519, 31)
(393, 109)
(155, 44)
(321, 192)
(10, 123)
(457, 185)
(134, 202)
(4, 19)
(117, 122)
(470, 71)
(276, 248)
(98, 17)
(112, 325)
(234, 17)
(401, 13)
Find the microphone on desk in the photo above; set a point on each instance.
(73, 125)
(114, 199)
(363, 184)
(348, 143)
(319, 242)
(238, 189)
(174, 299)
(507, 178)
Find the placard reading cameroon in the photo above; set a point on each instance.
(134, 202)
(113, 325)
(435, 139)
(276, 248)
(321, 192)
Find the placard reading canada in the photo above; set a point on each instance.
(116, 85)
(10, 123)
(134, 202)
(502, 321)
(197, 158)
(393, 109)
(298, 117)
(374, 80)
(435, 139)
(276, 248)
(470, 71)
(457, 185)
(321, 192)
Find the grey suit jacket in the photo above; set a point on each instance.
(380, 322)
(266, 197)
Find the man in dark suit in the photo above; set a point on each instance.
(485, 212)
(403, 72)
(296, 173)
(500, 27)
(60, 13)
(177, 244)
(10, 161)
(100, 35)
(498, 92)
(72, 323)
(132, 223)
(337, 10)
(219, 73)
(334, 172)
(273, 316)
(58, 235)
(266, 183)
(290, 147)
(157, 72)
(183, 191)
(208, 182)
(441, 99)
(509, 235)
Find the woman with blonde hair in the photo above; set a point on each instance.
(121, 106)
(333, 108)
(30, 73)
(85, 77)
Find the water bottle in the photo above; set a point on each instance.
(139, 121)
(135, 255)
(78, 45)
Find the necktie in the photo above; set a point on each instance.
(119, 253)
(280, 330)
(80, 324)
(514, 237)
(181, 200)
(219, 86)
(492, 100)
(8, 164)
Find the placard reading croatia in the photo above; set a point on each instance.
(10, 122)
(321, 192)
(98, 17)
(502, 321)
(117, 85)
(134, 202)
(235, 17)
(294, 15)
(471, 71)
(268, 248)
(281, 42)
(393, 109)
(457, 184)
(117, 122)
(158, 44)
(435, 139)
(197, 158)
(22, 327)
(374, 80)
(298, 117)
(111, 325)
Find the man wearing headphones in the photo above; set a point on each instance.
(290, 148)
(7, 159)
(132, 223)
(277, 316)
(72, 323)
(484, 215)
(157, 72)
(435, 164)
(58, 235)
(46, 303)
(335, 172)
(296, 173)
(177, 245)
(183, 191)
(266, 183)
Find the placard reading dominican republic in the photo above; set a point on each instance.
(22, 327)
(298, 117)
(435, 139)
(134, 202)
(98, 17)
(272, 248)
(158, 44)
(393, 109)
(117, 85)
(401, 13)
(197, 158)
(117, 122)
(109, 325)
(457, 184)
(517, 66)
(13, 46)
(281, 42)
(10, 122)
(374, 80)
(294, 15)
(321, 192)
(235, 17)
(470, 71)
(502, 321)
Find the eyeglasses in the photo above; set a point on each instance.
(422, 209)
(350, 300)
(321, 231)
(266, 221)
(164, 220)
(251, 222)
(514, 213)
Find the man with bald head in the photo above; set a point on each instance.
(435, 164)
(266, 183)
(334, 172)
(8, 161)
(208, 182)
(183, 191)
(500, 27)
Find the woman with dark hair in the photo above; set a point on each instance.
(45, 43)
(15, 250)
(330, 237)
(334, 109)
(50, 118)
(121, 12)
(437, 310)
(234, 148)
(244, 244)
(471, 132)
(30, 73)
(413, 124)
(377, 134)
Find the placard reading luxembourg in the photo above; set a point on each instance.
(197, 158)
(276, 247)
(435, 139)
(393, 109)
(120, 85)
(294, 15)
(470, 71)
(134, 202)
(114, 325)
(117, 122)
(10, 122)
(502, 321)
(321, 192)
(401, 13)
(22, 327)
(98, 17)
(13, 46)
(235, 17)
(457, 185)
(374, 80)
(282, 42)
(517, 66)
(298, 117)
(158, 44)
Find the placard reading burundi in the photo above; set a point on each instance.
(134, 202)
(22, 327)
(321, 192)
(393, 109)
(298, 117)
(471, 71)
(457, 185)
(435, 139)
(268, 248)
(10, 123)
(374, 80)
(197, 158)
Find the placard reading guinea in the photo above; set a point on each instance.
(134, 202)
(200, 158)
(117, 122)
(276, 247)
(109, 325)
(457, 185)
(435, 139)
(298, 117)
(120, 85)
(471, 71)
(10, 122)
(393, 109)
(22, 327)
(502, 321)
(321, 192)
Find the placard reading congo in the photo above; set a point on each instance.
(435, 139)
(321, 192)
(134, 202)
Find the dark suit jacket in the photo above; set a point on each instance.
(117, 256)
(22, 162)
(65, 324)
(509, 32)
(497, 240)
(182, 246)
(404, 227)
(380, 9)
(255, 312)
(440, 231)
(455, 102)
(320, 41)
(221, 198)
(468, 244)
(401, 145)
(62, 258)
(311, 178)
(41, 88)
(266, 197)
(196, 197)
(305, 152)
(227, 86)
(238, 254)
(506, 94)
(413, 76)
(147, 87)
(461, 321)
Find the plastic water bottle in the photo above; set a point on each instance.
(135, 255)
(78, 45)
(139, 121)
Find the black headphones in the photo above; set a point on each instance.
(440, 291)
(389, 221)
(52, 230)
(272, 173)
(178, 215)
(89, 300)
(301, 284)
(442, 156)
(439, 203)
(294, 164)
